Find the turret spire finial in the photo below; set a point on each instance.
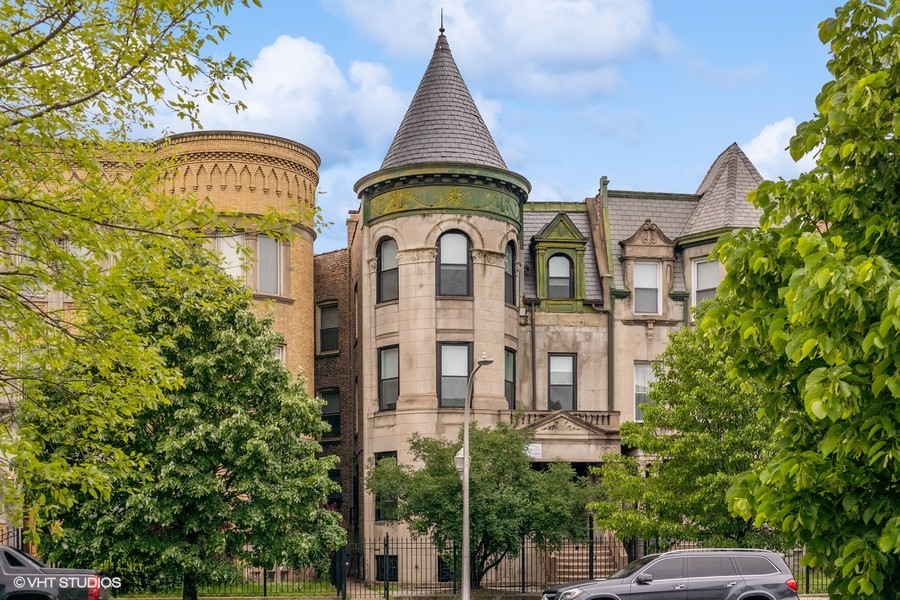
(441, 30)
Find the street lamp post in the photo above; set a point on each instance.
(466, 566)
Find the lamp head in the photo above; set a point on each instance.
(484, 360)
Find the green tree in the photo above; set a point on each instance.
(812, 302)
(700, 432)
(76, 195)
(229, 467)
(508, 499)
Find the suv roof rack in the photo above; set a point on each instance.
(686, 550)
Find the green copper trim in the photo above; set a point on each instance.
(443, 187)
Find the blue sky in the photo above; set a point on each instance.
(647, 93)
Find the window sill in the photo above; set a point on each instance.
(275, 297)
(393, 302)
(328, 354)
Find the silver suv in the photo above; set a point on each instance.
(707, 574)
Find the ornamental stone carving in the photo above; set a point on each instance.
(488, 257)
(416, 255)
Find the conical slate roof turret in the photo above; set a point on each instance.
(442, 123)
(723, 194)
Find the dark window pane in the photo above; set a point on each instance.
(385, 508)
(328, 341)
(389, 378)
(559, 277)
(668, 568)
(639, 399)
(509, 281)
(334, 421)
(561, 397)
(454, 280)
(331, 412)
(389, 289)
(386, 567)
(751, 565)
(453, 391)
(445, 570)
(646, 301)
(390, 391)
(710, 566)
(509, 378)
(705, 294)
(558, 288)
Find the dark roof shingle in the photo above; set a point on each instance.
(442, 123)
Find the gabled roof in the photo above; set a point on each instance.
(723, 194)
(442, 123)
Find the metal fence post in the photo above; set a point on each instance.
(590, 548)
(455, 566)
(386, 569)
(265, 577)
(522, 554)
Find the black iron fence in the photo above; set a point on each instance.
(11, 536)
(390, 567)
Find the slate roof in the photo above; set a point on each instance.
(628, 211)
(534, 221)
(442, 123)
(723, 192)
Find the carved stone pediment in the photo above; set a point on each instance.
(648, 234)
(563, 423)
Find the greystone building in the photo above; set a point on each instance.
(447, 259)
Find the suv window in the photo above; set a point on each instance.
(751, 565)
(12, 560)
(710, 566)
(667, 568)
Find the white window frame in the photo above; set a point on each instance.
(658, 266)
(262, 266)
(695, 278)
(650, 379)
(228, 247)
(446, 352)
(320, 322)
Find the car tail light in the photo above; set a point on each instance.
(93, 592)
(791, 583)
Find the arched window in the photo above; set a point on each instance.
(388, 280)
(509, 275)
(559, 277)
(454, 272)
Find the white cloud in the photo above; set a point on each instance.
(768, 151)
(547, 47)
(299, 92)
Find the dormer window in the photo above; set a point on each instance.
(559, 249)
(559, 277)
(646, 287)
(647, 260)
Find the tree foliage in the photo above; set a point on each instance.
(700, 432)
(229, 467)
(813, 301)
(507, 498)
(81, 203)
